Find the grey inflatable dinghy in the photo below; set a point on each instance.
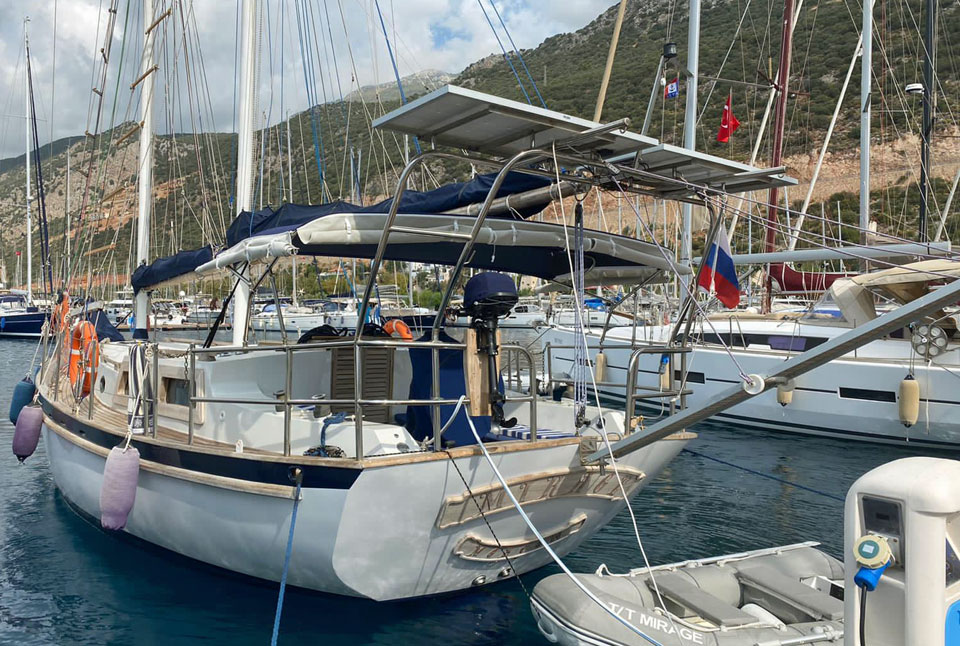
(782, 596)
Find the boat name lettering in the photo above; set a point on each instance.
(656, 623)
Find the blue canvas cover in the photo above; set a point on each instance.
(452, 386)
(163, 269)
(105, 329)
(445, 198)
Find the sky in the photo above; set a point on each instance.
(346, 48)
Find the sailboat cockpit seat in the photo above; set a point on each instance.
(679, 589)
(786, 596)
(522, 432)
(452, 382)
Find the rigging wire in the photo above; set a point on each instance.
(516, 50)
(396, 72)
(503, 49)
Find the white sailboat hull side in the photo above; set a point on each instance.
(384, 537)
(591, 318)
(855, 397)
(298, 323)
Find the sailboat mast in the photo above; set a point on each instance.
(141, 308)
(780, 121)
(66, 269)
(245, 135)
(928, 85)
(29, 118)
(690, 124)
(866, 84)
(610, 56)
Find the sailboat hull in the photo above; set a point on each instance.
(855, 397)
(400, 529)
(27, 325)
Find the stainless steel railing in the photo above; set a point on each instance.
(358, 402)
(632, 391)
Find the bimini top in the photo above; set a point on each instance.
(906, 283)
(516, 246)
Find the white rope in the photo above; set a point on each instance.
(603, 429)
(546, 546)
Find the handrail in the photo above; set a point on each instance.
(288, 402)
(631, 389)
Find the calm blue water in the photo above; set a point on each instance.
(63, 581)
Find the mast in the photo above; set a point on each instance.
(690, 124)
(141, 306)
(66, 271)
(866, 83)
(610, 56)
(929, 54)
(780, 119)
(245, 135)
(29, 117)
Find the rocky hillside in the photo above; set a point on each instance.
(193, 173)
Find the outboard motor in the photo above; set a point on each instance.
(487, 297)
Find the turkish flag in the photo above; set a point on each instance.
(728, 122)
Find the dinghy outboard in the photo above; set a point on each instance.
(486, 297)
(761, 597)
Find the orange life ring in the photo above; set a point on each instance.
(60, 312)
(84, 356)
(396, 327)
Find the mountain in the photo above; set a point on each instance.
(193, 173)
(413, 85)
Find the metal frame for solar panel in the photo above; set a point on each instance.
(490, 129)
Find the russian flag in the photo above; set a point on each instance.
(672, 89)
(719, 274)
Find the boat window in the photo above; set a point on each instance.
(791, 343)
(825, 308)
(692, 377)
(177, 391)
(868, 395)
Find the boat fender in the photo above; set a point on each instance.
(785, 392)
(600, 366)
(908, 402)
(26, 434)
(119, 488)
(23, 394)
(396, 327)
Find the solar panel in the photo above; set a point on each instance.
(489, 125)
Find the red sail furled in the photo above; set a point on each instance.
(793, 281)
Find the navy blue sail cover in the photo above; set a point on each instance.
(163, 269)
(445, 198)
(105, 329)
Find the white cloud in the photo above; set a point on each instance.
(425, 34)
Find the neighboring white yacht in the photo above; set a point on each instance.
(858, 396)
(595, 314)
(297, 319)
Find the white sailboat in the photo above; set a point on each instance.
(19, 314)
(370, 436)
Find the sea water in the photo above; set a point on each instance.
(64, 581)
